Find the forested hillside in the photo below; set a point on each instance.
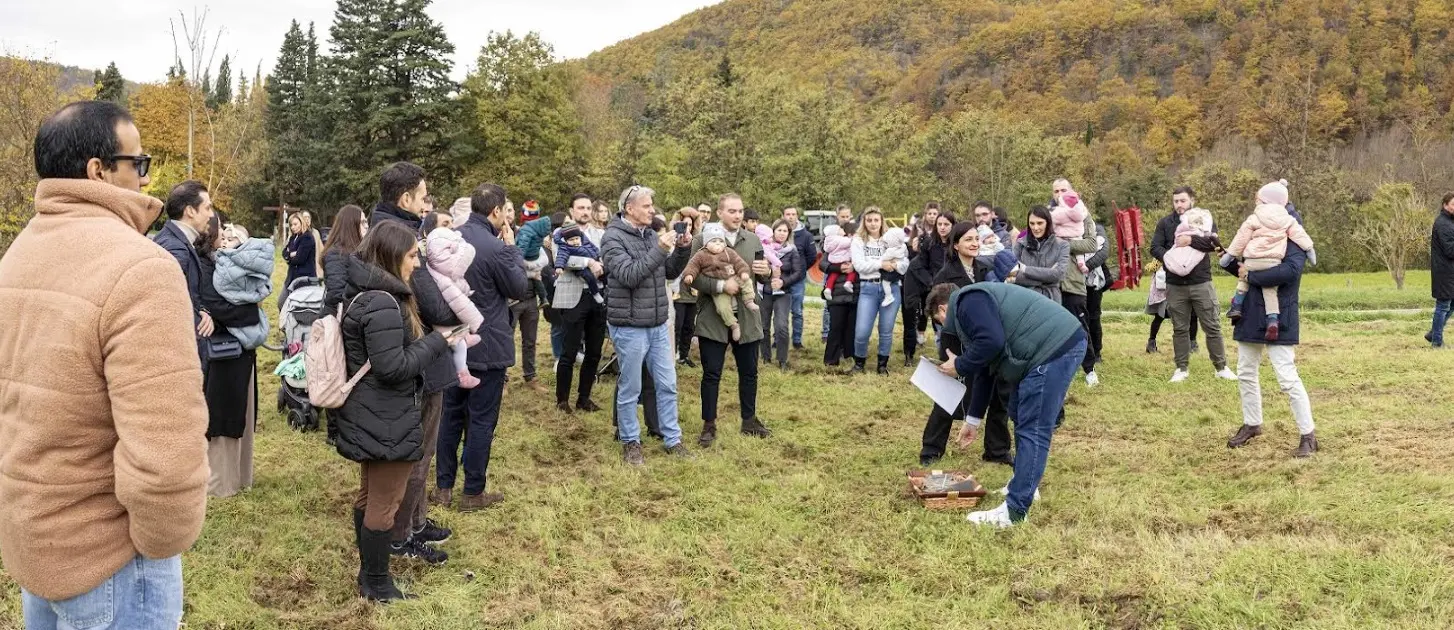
(1340, 97)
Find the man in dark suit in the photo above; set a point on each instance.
(189, 211)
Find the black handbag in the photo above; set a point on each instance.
(222, 348)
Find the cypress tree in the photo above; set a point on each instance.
(110, 86)
(222, 89)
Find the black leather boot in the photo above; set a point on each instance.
(373, 552)
(858, 365)
(883, 364)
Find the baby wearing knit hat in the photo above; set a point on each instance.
(1261, 243)
(718, 261)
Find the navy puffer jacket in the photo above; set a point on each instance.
(380, 420)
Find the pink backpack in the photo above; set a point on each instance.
(325, 363)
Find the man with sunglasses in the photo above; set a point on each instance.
(189, 213)
(102, 421)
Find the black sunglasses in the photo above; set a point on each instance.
(142, 163)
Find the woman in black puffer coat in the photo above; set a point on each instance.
(933, 251)
(379, 425)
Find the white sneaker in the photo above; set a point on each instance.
(1179, 376)
(921, 339)
(1091, 380)
(580, 358)
(998, 518)
(1226, 374)
(1006, 490)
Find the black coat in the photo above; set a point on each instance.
(301, 254)
(496, 276)
(922, 269)
(380, 420)
(1441, 256)
(171, 238)
(335, 279)
(227, 382)
(807, 248)
(794, 270)
(1287, 277)
(434, 311)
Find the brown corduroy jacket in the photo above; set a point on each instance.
(103, 452)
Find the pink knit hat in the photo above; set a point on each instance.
(1274, 193)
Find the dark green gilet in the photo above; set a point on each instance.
(1035, 327)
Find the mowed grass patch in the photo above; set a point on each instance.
(1148, 520)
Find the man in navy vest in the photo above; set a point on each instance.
(1030, 343)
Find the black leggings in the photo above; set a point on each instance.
(686, 313)
(913, 323)
(1156, 326)
(1093, 317)
(1076, 304)
(841, 319)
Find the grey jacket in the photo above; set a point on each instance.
(636, 272)
(1044, 267)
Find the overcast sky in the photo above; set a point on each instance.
(135, 34)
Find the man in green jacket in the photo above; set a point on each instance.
(1030, 343)
(714, 337)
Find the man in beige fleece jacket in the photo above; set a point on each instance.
(103, 459)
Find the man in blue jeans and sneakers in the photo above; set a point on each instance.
(1030, 343)
(637, 308)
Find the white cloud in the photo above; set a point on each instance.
(136, 35)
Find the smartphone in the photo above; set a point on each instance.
(760, 255)
(681, 228)
(458, 330)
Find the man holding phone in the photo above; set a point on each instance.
(714, 335)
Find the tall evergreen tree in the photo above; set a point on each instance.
(390, 80)
(109, 85)
(530, 133)
(285, 123)
(222, 89)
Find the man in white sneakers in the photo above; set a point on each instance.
(1190, 298)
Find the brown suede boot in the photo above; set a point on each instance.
(709, 434)
(475, 502)
(442, 497)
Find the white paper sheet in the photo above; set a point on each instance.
(944, 391)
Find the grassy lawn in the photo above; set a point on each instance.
(1148, 520)
(1320, 291)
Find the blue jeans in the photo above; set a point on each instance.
(470, 415)
(1441, 320)
(1035, 404)
(557, 340)
(651, 346)
(144, 594)
(869, 298)
(798, 291)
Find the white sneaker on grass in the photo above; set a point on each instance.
(1091, 380)
(1179, 376)
(1226, 374)
(998, 518)
(1006, 490)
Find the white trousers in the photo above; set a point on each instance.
(1249, 359)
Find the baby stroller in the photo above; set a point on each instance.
(305, 300)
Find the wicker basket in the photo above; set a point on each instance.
(944, 500)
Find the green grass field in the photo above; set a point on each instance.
(1147, 521)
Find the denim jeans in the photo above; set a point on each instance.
(557, 340)
(1035, 404)
(1441, 319)
(144, 594)
(652, 347)
(798, 291)
(869, 298)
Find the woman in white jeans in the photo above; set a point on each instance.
(1251, 346)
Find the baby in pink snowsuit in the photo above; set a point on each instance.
(449, 257)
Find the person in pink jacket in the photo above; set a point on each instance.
(1261, 243)
(449, 258)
